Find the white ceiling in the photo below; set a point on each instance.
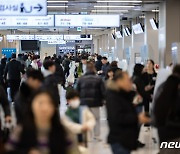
(86, 6)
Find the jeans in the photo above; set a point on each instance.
(119, 149)
(96, 112)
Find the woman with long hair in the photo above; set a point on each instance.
(42, 131)
(149, 78)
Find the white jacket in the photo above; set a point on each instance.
(87, 119)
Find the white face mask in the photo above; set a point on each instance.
(75, 104)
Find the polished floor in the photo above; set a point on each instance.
(147, 136)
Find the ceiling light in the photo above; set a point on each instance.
(109, 11)
(57, 6)
(57, 1)
(155, 10)
(119, 1)
(123, 6)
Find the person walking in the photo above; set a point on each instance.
(50, 81)
(33, 82)
(105, 67)
(42, 132)
(98, 63)
(12, 73)
(122, 117)
(2, 69)
(149, 78)
(166, 111)
(92, 90)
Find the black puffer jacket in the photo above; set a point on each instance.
(91, 89)
(167, 109)
(14, 70)
(21, 101)
(4, 102)
(50, 83)
(122, 117)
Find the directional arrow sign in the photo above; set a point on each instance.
(39, 7)
(23, 7)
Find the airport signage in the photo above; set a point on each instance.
(87, 20)
(76, 37)
(20, 37)
(49, 37)
(27, 21)
(137, 28)
(57, 42)
(23, 8)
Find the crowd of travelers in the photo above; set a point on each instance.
(31, 86)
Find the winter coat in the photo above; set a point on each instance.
(86, 118)
(21, 101)
(91, 89)
(98, 65)
(105, 68)
(167, 109)
(50, 83)
(122, 117)
(14, 70)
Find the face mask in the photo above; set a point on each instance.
(75, 104)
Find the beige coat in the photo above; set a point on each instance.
(87, 119)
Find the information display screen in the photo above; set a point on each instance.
(87, 20)
(26, 21)
(138, 29)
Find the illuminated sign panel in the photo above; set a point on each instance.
(87, 20)
(23, 7)
(28, 21)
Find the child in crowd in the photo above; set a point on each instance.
(78, 118)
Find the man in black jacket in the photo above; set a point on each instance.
(122, 117)
(34, 82)
(98, 63)
(50, 81)
(91, 89)
(105, 67)
(12, 73)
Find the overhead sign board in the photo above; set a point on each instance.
(23, 7)
(27, 21)
(48, 37)
(57, 42)
(76, 37)
(87, 20)
(20, 37)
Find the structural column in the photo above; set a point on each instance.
(151, 38)
(169, 29)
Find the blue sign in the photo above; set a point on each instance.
(23, 7)
(8, 51)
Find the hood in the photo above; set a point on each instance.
(25, 89)
(111, 85)
(45, 72)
